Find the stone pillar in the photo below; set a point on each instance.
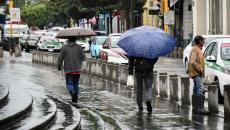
(185, 90)
(50, 59)
(123, 74)
(173, 83)
(100, 73)
(227, 102)
(44, 58)
(93, 67)
(98, 68)
(40, 57)
(90, 63)
(33, 57)
(56, 59)
(213, 97)
(155, 83)
(115, 73)
(103, 68)
(163, 85)
(109, 71)
(18, 51)
(1, 51)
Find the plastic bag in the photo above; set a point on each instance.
(130, 81)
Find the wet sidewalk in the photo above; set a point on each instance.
(111, 102)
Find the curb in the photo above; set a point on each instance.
(44, 123)
(4, 96)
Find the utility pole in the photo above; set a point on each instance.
(131, 16)
(11, 3)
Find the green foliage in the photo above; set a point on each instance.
(43, 12)
(36, 14)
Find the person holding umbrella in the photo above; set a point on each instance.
(73, 55)
(196, 72)
(144, 45)
(144, 74)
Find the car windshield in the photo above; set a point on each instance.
(225, 51)
(50, 40)
(114, 41)
(209, 39)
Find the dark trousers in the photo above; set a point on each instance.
(144, 79)
(72, 82)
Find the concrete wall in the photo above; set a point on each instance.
(187, 20)
(199, 17)
(226, 17)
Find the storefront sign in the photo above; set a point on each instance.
(169, 18)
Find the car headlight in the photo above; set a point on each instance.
(227, 70)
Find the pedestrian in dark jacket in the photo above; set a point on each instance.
(143, 74)
(73, 55)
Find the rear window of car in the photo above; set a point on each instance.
(101, 40)
(114, 41)
(225, 51)
(209, 40)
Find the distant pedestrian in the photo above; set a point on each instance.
(144, 76)
(12, 45)
(73, 55)
(196, 72)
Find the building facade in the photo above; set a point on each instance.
(211, 17)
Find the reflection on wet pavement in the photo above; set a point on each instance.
(111, 101)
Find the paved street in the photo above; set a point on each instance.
(111, 103)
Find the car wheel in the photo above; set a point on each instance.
(220, 97)
(186, 65)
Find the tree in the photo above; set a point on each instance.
(37, 14)
(101, 6)
(129, 7)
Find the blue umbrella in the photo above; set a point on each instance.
(146, 42)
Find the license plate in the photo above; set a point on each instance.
(50, 49)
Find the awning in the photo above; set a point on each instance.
(172, 2)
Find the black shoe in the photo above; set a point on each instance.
(198, 105)
(74, 97)
(149, 106)
(140, 109)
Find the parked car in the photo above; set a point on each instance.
(83, 42)
(22, 40)
(187, 50)
(31, 42)
(217, 63)
(96, 44)
(111, 52)
(49, 44)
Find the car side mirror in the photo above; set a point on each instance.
(211, 58)
(105, 46)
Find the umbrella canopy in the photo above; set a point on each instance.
(146, 42)
(75, 31)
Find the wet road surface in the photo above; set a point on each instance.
(110, 105)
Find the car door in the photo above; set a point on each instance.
(211, 66)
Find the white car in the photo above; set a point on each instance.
(84, 43)
(208, 39)
(111, 52)
(49, 44)
(217, 63)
